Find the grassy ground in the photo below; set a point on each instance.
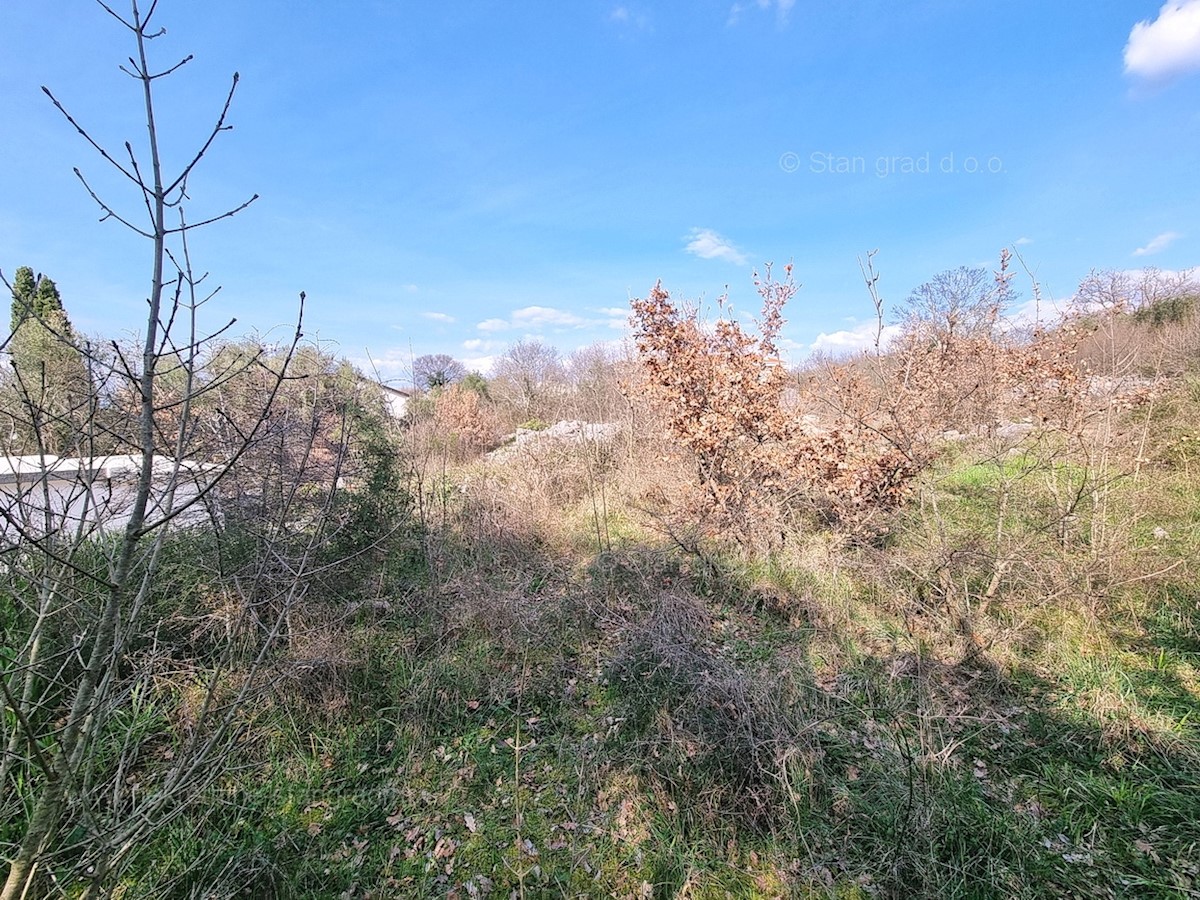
(579, 708)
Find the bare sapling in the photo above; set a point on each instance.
(87, 680)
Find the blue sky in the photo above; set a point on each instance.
(453, 177)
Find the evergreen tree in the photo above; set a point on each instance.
(24, 287)
(48, 387)
(37, 297)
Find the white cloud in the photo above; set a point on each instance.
(792, 349)
(1158, 244)
(707, 244)
(481, 353)
(536, 319)
(615, 317)
(541, 316)
(411, 288)
(1170, 45)
(1033, 312)
(393, 366)
(850, 340)
(481, 364)
(1022, 241)
(439, 317)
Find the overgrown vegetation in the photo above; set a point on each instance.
(556, 672)
(920, 622)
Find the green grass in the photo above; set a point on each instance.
(934, 781)
(634, 721)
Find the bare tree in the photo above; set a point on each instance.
(598, 375)
(527, 375)
(437, 370)
(958, 303)
(1138, 291)
(82, 541)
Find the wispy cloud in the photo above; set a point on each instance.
(543, 316)
(1168, 46)
(783, 9)
(439, 317)
(707, 244)
(1158, 244)
(392, 366)
(1022, 241)
(626, 17)
(537, 318)
(616, 317)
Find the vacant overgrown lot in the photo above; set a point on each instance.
(561, 716)
(922, 623)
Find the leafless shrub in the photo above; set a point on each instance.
(1041, 509)
(600, 377)
(530, 381)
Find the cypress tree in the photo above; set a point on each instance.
(24, 287)
(47, 389)
(37, 297)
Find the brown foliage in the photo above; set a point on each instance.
(936, 377)
(464, 422)
(723, 395)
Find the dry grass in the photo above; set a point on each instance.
(976, 703)
(721, 739)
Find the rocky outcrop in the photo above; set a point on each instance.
(560, 434)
